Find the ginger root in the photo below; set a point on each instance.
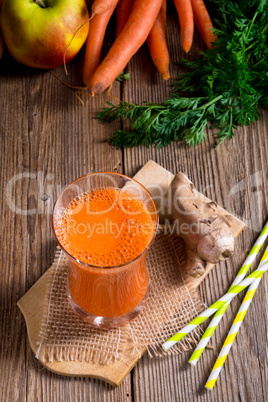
(205, 231)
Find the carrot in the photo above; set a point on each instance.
(134, 34)
(1, 39)
(203, 22)
(157, 43)
(123, 11)
(94, 42)
(101, 6)
(185, 13)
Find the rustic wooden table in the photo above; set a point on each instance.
(47, 140)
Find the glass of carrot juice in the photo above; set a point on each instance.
(105, 224)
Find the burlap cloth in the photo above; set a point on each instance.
(64, 336)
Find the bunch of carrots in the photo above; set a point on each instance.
(136, 22)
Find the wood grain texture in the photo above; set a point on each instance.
(47, 135)
(43, 128)
(33, 311)
(151, 174)
(157, 180)
(235, 175)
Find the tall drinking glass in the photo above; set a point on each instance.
(105, 224)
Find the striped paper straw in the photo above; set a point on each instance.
(232, 292)
(234, 330)
(219, 314)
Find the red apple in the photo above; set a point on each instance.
(1, 39)
(38, 32)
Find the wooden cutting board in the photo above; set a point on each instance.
(156, 179)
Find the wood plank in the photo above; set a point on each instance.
(174, 376)
(12, 277)
(43, 129)
(33, 310)
(225, 174)
(157, 181)
(153, 177)
(24, 244)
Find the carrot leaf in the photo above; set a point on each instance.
(225, 86)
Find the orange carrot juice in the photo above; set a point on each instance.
(106, 231)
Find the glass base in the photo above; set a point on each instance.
(107, 322)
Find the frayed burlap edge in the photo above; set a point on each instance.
(73, 353)
(89, 354)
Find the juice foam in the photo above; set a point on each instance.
(105, 227)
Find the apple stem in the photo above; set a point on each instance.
(40, 3)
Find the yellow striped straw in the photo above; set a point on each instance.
(235, 327)
(232, 292)
(219, 314)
